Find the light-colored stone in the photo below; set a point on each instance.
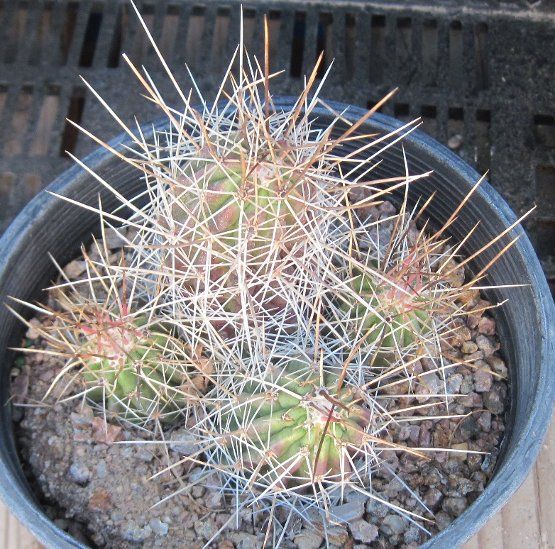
(430, 384)
(363, 531)
(349, 511)
(461, 453)
(309, 539)
(482, 380)
(74, 269)
(158, 527)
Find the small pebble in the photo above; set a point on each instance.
(32, 331)
(461, 451)
(101, 470)
(144, 454)
(74, 269)
(183, 443)
(113, 239)
(198, 491)
(469, 428)
(493, 401)
(243, 540)
(443, 520)
(375, 509)
(79, 473)
(349, 511)
(454, 383)
(433, 498)
(214, 499)
(363, 531)
(454, 506)
(393, 525)
(424, 438)
(485, 345)
(455, 141)
(485, 421)
(486, 326)
(482, 380)
(100, 500)
(337, 535)
(469, 347)
(430, 384)
(133, 532)
(308, 539)
(205, 528)
(497, 365)
(412, 535)
(394, 487)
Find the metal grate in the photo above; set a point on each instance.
(480, 76)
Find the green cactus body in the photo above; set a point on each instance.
(263, 205)
(226, 208)
(133, 371)
(286, 420)
(400, 318)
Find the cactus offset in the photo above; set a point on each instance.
(133, 368)
(295, 426)
(136, 373)
(392, 314)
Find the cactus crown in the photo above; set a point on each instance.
(134, 369)
(137, 373)
(295, 425)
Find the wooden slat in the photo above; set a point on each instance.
(13, 535)
(491, 536)
(545, 468)
(521, 526)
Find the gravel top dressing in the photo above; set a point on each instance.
(107, 484)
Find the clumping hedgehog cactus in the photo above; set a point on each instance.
(137, 373)
(133, 368)
(392, 313)
(300, 437)
(242, 212)
(249, 237)
(402, 284)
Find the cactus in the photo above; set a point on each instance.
(248, 238)
(133, 368)
(228, 206)
(227, 197)
(296, 425)
(392, 315)
(137, 373)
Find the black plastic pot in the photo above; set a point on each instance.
(526, 323)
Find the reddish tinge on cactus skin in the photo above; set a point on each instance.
(228, 204)
(137, 373)
(240, 213)
(295, 427)
(131, 366)
(394, 314)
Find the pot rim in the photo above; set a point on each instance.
(509, 474)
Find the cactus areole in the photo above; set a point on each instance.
(296, 427)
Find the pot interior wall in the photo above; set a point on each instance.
(50, 225)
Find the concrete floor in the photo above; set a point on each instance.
(526, 522)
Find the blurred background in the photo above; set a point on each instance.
(479, 74)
